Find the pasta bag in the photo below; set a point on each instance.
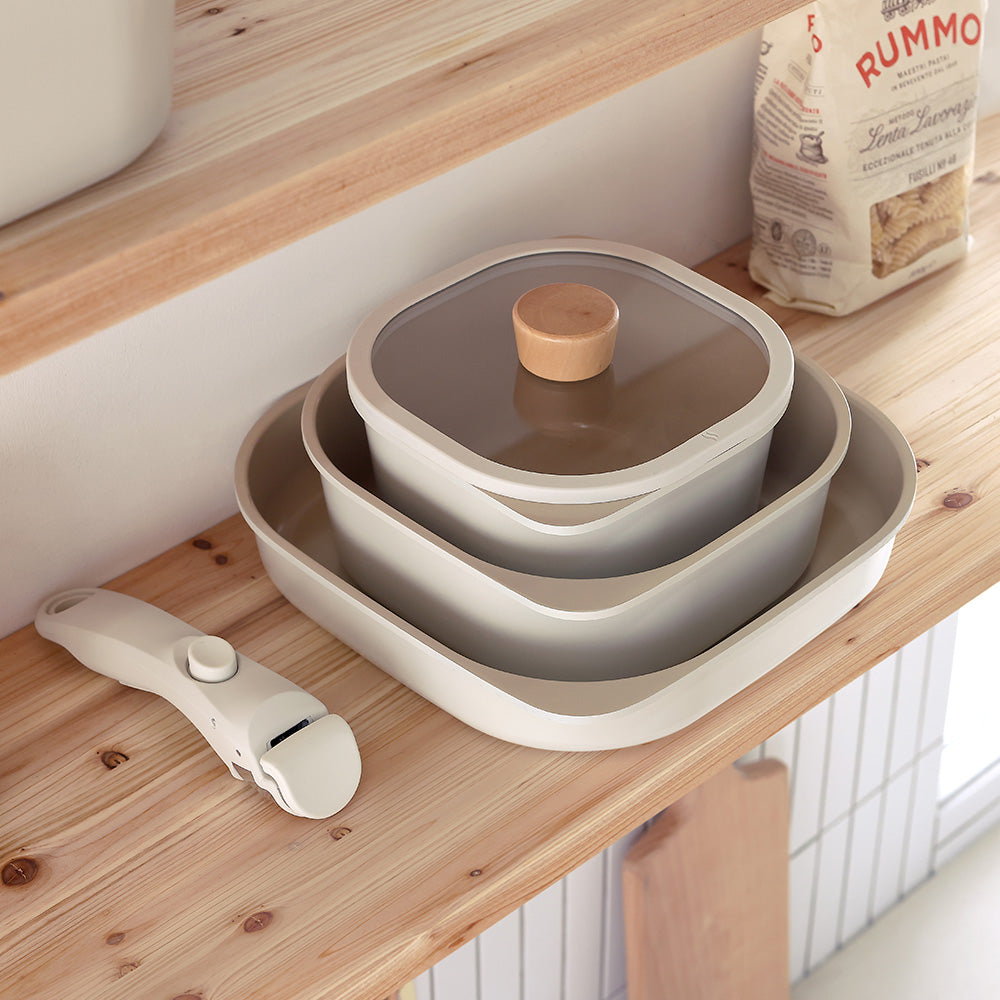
(864, 131)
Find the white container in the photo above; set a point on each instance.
(280, 497)
(86, 88)
(585, 629)
(665, 451)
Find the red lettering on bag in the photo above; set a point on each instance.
(976, 24)
(910, 37)
(882, 56)
(866, 67)
(815, 40)
(944, 29)
(969, 31)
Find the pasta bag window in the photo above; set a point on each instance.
(864, 132)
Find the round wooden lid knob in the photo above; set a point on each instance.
(565, 332)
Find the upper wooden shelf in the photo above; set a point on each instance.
(291, 114)
(155, 874)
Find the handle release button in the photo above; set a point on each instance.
(211, 659)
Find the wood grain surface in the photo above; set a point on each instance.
(705, 892)
(291, 114)
(133, 865)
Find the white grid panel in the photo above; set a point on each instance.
(842, 762)
(500, 960)
(584, 936)
(826, 891)
(801, 870)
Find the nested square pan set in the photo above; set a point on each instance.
(574, 494)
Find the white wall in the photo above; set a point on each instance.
(122, 445)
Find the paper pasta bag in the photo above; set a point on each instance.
(864, 127)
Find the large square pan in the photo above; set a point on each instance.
(280, 496)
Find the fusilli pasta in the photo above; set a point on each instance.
(908, 225)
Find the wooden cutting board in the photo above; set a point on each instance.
(706, 892)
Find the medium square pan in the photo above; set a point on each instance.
(584, 629)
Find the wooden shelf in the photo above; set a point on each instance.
(158, 875)
(291, 114)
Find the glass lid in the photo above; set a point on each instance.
(681, 363)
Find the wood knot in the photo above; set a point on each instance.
(115, 938)
(126, 967)
(257, 921)
(213, 10)
(340, 832)
(922, 464)
(19, 871)
(202, 543)
(958, 500)
(475, 873)
(463, 937)
(112, 758)
(221, 560)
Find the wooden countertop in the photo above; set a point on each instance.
(135, 866)
(291, 114)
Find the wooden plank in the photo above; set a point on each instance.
(706, 892)
(291, 114)
(151, 878)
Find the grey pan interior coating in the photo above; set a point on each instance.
(585, 629)
(281, 499)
